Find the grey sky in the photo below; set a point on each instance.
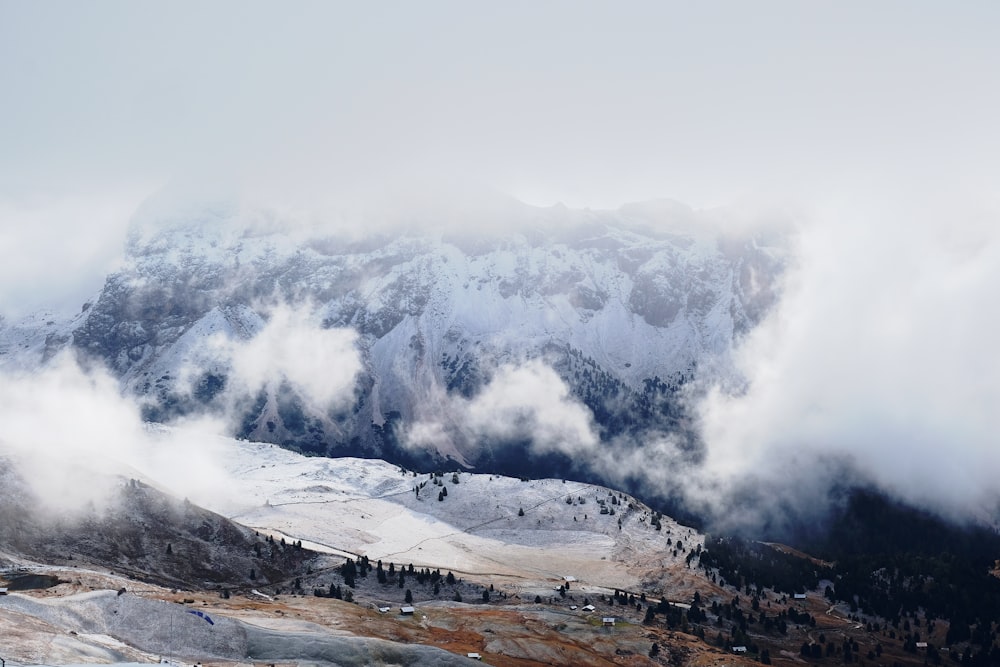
(593, 103)
(589, 103)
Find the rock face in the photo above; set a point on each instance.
(626, 306)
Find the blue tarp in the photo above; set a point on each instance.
(202, 615)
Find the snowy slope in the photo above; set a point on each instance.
(369, 507)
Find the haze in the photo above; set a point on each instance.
(873, 124)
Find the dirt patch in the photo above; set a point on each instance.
(784, 548)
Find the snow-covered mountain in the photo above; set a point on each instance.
(624, 307)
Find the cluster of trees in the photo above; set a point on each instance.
(742, 563)
(335, 592)
(900, 563)
(888, 561)
(351, 569)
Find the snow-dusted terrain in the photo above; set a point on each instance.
(624, 306)
(527, 536)
(371, 508)
(538, 350)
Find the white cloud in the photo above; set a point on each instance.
(882, 355)
(56, 252)
(521, 402)
(321, 364)
(531, 402)
(69, 429)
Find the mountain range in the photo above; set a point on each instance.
(614, 313)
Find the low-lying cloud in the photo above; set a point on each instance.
(880, 358)
(68, 425)
(320, 364)
(68, 428)
(526, 402)
(878, 361)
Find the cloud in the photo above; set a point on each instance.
(321, 364)
(56, 252)
(880, 358)
(70, 430)
(531, 402)
(526, 402)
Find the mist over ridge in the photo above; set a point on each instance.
(690, 356)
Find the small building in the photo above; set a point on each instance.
(921, 644)
(407, 611)
(383, 610)
(799, 596)
(3, 591)
(739, 649)
(474, 656)
(572, 607)
(589, 607)
(608, 621)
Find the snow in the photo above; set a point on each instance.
(499, 299)
(368, 507)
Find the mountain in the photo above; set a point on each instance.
(625, 307)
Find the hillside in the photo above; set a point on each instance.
(136, 530)
(523, 572)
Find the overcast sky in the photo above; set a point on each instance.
(589, 103)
